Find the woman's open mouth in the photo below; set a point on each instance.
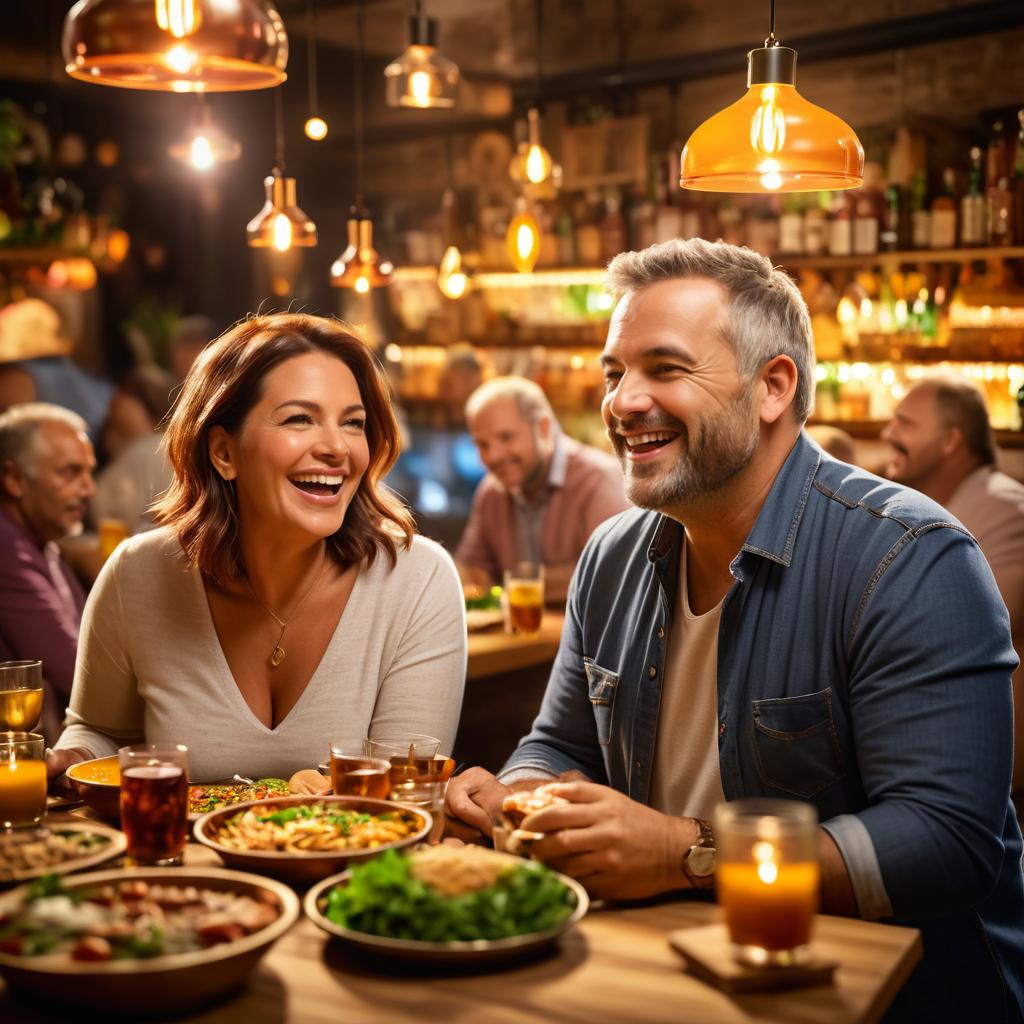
(317, 483)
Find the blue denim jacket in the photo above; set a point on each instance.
(864, 665)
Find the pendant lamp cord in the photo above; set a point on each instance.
(539, 19)
(279, 130)
(314, 103)
(771, 40)
(358, 94)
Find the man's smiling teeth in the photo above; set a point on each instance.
(639, 439)
(316, 478)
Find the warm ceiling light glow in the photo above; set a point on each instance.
(360, 266)
(808, 148)
(138, 44)
(532, 162)
(422, 76)
(451, 278)
(201, 153)
(523, 239)
(316, 129)
(76, 273)
(205, 146)
(118, 244)
(362, 284)
(281, 224)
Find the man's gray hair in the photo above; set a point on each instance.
(767, 316)
(961, 406)
(20, 423)
(531, 401)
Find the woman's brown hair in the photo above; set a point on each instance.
(224, 384)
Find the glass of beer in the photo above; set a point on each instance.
(154, 802)
(355, 773)
(21, 695)
(766, 876)
(522, 600)
(410, 755)
(111, 533)
(22, 779)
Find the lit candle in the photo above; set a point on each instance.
(22, 779)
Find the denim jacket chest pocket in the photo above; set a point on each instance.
(602, 685)
(795, 743)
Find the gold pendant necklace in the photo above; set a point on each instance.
(277, 655)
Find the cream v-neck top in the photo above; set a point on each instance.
(150, 666)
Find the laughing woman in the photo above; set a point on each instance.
(285, 599)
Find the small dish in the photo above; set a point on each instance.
(98, 783)
(114, 845)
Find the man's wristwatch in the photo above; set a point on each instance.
(699, 860)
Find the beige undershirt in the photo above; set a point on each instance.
(686, 779)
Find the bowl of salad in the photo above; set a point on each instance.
(448, 905)
(152, 940)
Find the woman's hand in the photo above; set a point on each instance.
(59, 761)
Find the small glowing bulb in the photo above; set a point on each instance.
(768, 125)
(524, 240)
(420, 83)
(538, 164)
(201, 153)
(362, 284)
(316, 129)
(450, 277)
(179, 17)
(180, 59)
(846, 311)
(282, 233)
(770, 177)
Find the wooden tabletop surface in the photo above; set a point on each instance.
(615, 966)
(493, 651)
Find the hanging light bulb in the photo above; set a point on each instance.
(422, 76)
(772, 139)
(315, 129)
(77, 273)
(206, 145)
(532, 162)
(281, 224)
(315, 126)
(523, 238)
(176, 45)
(452, 279)
(360, 266)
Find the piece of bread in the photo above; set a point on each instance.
(517, 806)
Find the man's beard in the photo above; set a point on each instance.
(723, 445)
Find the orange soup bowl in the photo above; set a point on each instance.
(98, 783)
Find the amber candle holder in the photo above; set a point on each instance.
(767, 875)
(22, 779)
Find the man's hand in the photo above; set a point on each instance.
(618, 848)
(471, 803)
(59, 761)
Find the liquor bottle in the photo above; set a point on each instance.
(920, 215)
(791, 225)
(840, 226)
(565, 236)
(612, 228)
(1018, 185)
(816, 225)
(997, 155)
(943, 219)
(868, 211)
(972, 205)
(588, 234)
(643, 210)
(1000, 213)
(889, 238)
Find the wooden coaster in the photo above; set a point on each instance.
(708, 955)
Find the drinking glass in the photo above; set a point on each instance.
(154, 802)
(427, 792)
(522, 599)
(22, 779)
(410, 755)
(111, 533)
(355, 773)
(766, 874)
(21, 695)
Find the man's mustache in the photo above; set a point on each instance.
(646, 423)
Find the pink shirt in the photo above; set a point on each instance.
(584, 488)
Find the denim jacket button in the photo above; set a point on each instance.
(661, 632)
(721, 729)
(653, 671)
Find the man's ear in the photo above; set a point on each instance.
(778, 378)
(544, 428)
(220, 447)
(12, 480)
(952, 440)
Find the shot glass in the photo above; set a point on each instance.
(766, 875)
(22, 779)
(522, 600)
(355, 773)
(427, 793)
(154, 802)
(21, 695)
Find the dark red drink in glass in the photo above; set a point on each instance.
(154, 812)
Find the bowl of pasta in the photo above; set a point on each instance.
(303, 838)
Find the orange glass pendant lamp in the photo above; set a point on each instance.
(360, 266)
(772, 139)
(523, 238)
(281, 224)
(176, 45)
(422, 76)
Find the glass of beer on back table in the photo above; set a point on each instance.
(523, 598)
(154, 802)
(355, 773)
(21, 695)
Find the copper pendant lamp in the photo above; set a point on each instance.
(422, 76)
(772, 139)
(360, 266)
(281, 224)
(176, 45)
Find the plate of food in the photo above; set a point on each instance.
(448, 905)
(153, 940)
(57, 850)
(303, 838)
(98, 783)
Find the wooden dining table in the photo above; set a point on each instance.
(616, 965)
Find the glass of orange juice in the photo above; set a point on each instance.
(22, 779)
(766, 875)
(21, 695)
(522, 600)
(112, 532)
